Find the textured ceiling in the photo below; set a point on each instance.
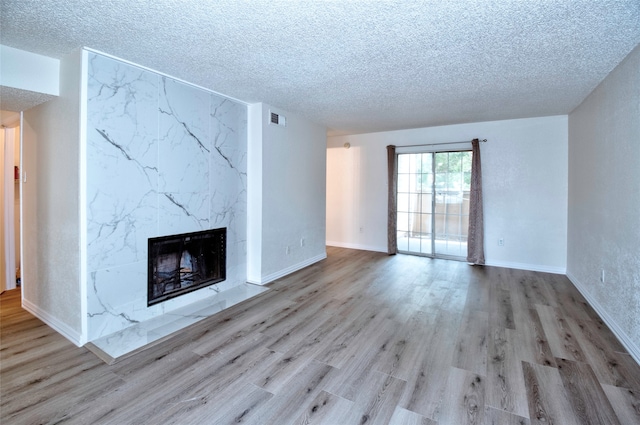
(354, 66)
(12, 99)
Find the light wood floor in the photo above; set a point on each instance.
(360, 338)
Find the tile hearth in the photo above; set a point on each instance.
(117, 345)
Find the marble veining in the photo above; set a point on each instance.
(184, 145)
(183, 212)
(163, 157)
(146, 169)
(227, 128)
(122, 173)
(140, 334)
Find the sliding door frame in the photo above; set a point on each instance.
(433, 153)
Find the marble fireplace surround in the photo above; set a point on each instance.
(162, 157)
(140, 336)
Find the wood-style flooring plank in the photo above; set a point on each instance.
(454, 300)
(237, 404)
(407, 346)
(531, 341)
(303, 387)
(356, 370)
(378, 403)
(406, 417)
(305, 324)
(628, 368)
(274, 377)
(426, 386)
(585, 394)
(433, 297)
(598, 353)
(471, 347)
(478, 294)
(548, 402)
(501, 309)
(533, 288)
(35, 406)
(229, 329)
(625, 402)
(340, 348)
(562, 342)
(326, 409)
(505, 388)
(499, 417)
(298, 318)
(463, 402)
(358, 337)
(194, 380)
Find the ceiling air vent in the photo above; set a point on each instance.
(277, 119)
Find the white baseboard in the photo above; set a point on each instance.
(281, 273)
(357, 246)
(54, 323)
(506, 264)
(622, 336)
(526, 266)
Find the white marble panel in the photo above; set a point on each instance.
(237, 261)
(229, 165)
(228, 132)
(228, 210)
(123, 99)
(183, 212)
(116, 298)
(122, 175)
(185, 144)
(118, 227)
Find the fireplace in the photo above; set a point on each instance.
(179, 264)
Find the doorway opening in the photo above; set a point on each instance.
(10, 194)
(433, 203)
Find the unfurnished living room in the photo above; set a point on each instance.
(320, 212)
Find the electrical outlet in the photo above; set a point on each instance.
(500, 242)
(361, 229)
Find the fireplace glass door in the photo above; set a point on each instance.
(183, 263)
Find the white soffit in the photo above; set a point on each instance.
(354, 66)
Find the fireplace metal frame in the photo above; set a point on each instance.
(178, 243)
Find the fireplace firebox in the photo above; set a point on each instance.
(179, 264)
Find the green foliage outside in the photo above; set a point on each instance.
(452, 170)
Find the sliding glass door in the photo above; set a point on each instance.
(415, 201)
(433, 203)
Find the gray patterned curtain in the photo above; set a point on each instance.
(475, 242)
(392, 245)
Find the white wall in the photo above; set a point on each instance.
(604, 199)
(51, 234)
(287, 200)
(524, 166)
(255, 125)
(29, 71)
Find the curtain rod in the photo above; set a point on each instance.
(444, 143)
